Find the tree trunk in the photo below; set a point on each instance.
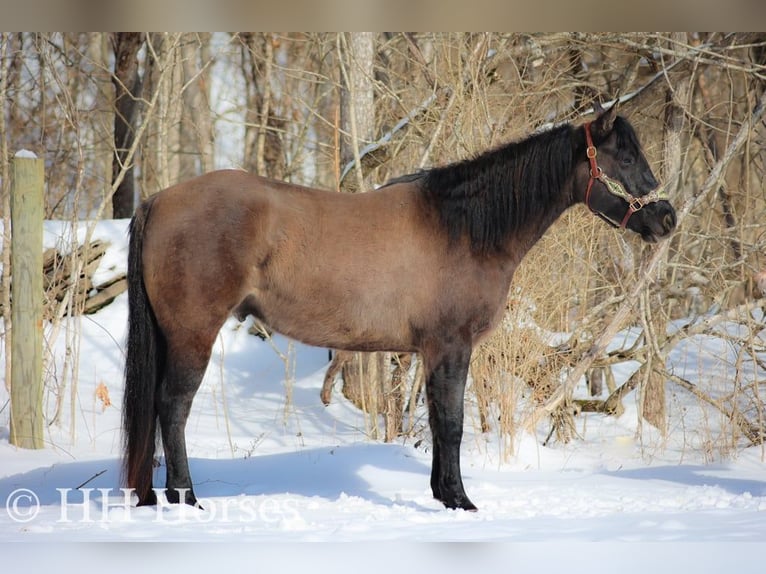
(169, 117)
(653, 391)
(127, 90)
(197, 132)
(357, 104)
(163, 81)
(6, 43)
(368, 378)
(357, 113)
(263, 144)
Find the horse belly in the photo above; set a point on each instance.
(341, 274)
(328, 319)
(324, 299)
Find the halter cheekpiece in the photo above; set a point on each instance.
(614, 187)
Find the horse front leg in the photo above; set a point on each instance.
(445, 389)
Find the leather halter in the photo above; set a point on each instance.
(614, 187)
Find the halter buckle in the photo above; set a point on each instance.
(636, 204)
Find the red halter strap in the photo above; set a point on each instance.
(591, 152)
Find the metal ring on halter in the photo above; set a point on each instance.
(636, 204)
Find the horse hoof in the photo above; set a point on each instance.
(468, 506)
(149, 500)
(461, 503)
(191, 500)
(173, 497)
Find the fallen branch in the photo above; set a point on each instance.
(104, 294)
(68, 278)
(755, 434)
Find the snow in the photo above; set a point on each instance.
(25, 154)
(268, 468)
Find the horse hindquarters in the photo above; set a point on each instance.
(445, 388)
(163, 370)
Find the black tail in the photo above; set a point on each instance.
(144, 364)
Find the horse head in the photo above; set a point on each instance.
(617, 183)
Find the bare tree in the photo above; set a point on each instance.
(653, 396)
(127, 90)
(356, 53)
(197, 134)
(264, 153)
(368, 378)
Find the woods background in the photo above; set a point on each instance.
(119, 116)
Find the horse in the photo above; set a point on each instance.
(420, 265)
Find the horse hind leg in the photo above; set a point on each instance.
(183, 376)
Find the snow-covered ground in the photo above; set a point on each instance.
(269, 468)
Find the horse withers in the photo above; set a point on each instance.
(421, 265)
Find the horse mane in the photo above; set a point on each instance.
(492, 195)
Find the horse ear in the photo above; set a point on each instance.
(603, 125)
(597, 107)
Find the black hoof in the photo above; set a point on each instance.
(174, 497)
(149, 499)
(458, 502)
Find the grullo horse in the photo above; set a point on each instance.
(423, 264)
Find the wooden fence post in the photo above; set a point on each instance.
(27, 182)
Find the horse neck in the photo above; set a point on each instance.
(531, 231)
(507, 198)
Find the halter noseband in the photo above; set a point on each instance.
(614, 187)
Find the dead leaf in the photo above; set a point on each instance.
(102, 394)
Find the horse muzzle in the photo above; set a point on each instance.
(657, 222)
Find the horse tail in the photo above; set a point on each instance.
(144, 365)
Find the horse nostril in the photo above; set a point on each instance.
(668, 222)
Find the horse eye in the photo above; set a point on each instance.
(627, 160)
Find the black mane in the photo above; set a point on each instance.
(492, 195)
